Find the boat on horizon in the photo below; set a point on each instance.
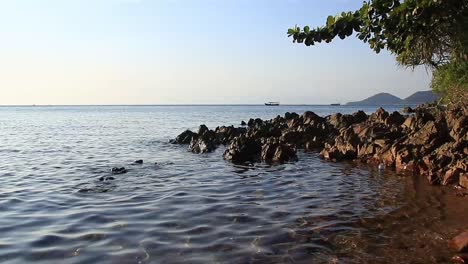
(272, 103)
(337, 104)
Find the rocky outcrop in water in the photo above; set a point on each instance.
(428, 141)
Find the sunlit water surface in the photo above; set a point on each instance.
(179, 207)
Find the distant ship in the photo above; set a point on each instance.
(272, 103)
(335, 104)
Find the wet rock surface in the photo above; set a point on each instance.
(460, 242)
(429, 141)
(119, 170)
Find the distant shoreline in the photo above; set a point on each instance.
(143, 105)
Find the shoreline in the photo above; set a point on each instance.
(427, 142)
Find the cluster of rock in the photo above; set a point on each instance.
(428, 141)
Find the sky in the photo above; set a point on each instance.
(61, 52)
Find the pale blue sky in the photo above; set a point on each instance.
(185, 51)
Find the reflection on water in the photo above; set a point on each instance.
(178, 207)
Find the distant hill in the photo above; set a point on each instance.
(389, 99)
(420, 98)
(379, 99)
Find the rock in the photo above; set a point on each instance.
(394, 118)
(336, 120)
(289, 116)
(243, 123)
(460, 242)
(108, 178)
(460, 259)
(278, 153)
(310, 118)
(254, 122)
(428, 132)
(407, 110)
(224, 134)
(138, 161)
(205, 141)
(379, 116)
(243, 148)
(463, 180)
(184, 138)
(117, 170)
(292, 137)
(431, 142)
(418, 120)
(201, 145)
(331, 153)
(451, 176)
(359, 116)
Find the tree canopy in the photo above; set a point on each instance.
(418, 32)
(433, 33)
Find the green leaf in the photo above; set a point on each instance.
(309, 40)
(330, 21)
(307, 29)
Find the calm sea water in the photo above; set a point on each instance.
(177, 207)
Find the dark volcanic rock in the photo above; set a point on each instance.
(205, 141)
(200, 145)
(310, 118)
(224, 134)
(395, 118)
(432, 142)
(117, 170)
(243, 149)
(275, 152)
(407, 110)
(184, 138)
(289, 116)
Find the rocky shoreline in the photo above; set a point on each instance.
(427, 140)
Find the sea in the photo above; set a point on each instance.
(60, 203)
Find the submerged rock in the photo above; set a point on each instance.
(118, 170)
(108, 178)
(138, 161)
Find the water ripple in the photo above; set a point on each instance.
(178, 207)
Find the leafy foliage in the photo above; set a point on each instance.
(418, 32)
(450, 81)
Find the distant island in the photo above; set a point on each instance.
(420, 97)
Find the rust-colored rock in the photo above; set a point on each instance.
(460, 242)
(463, 180)
(451, 176)
(429, 141)
(460, 259)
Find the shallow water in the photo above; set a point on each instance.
(179, 207)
